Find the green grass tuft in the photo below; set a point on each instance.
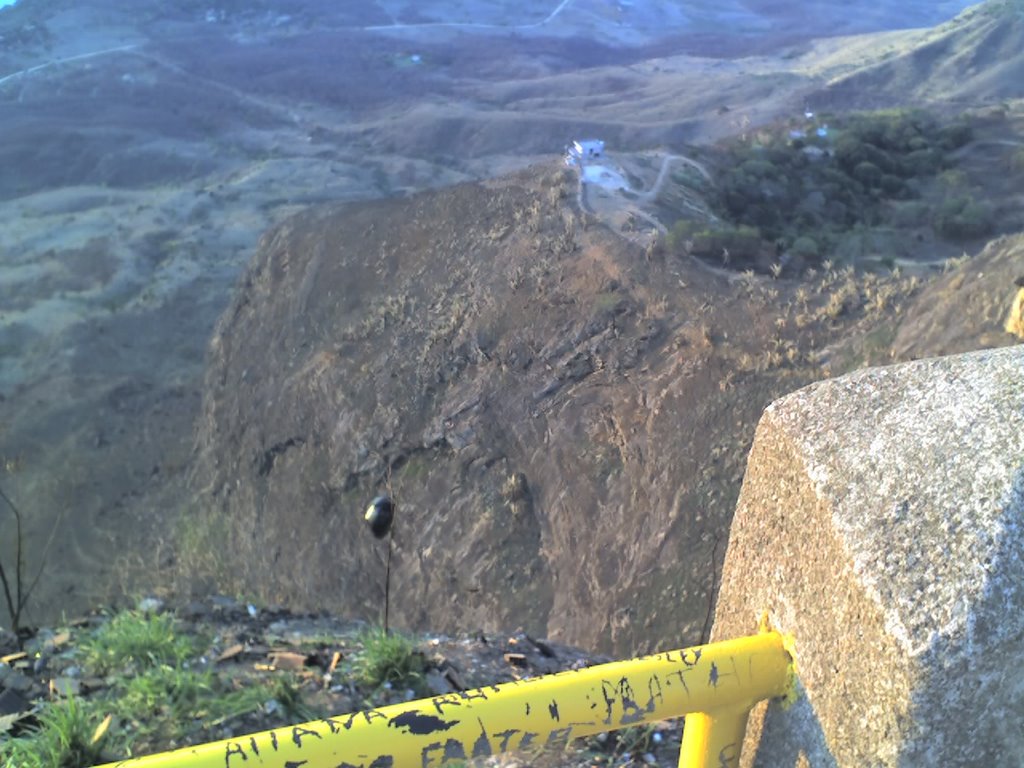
(136, 639)
(171, 704)
(388, 658)
(66, 737)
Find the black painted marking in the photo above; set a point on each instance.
(527, 708)
(696, 658)
(420, 724)
(526, 741)
(331, 723)
(371, 714)
(425, 759)
(273, 740)
(654, 689)
(713, 675)
(384, 761)
(254, 746)
(230, 750)
(681, 674)
(505, 736)
(553, 710)
(298, 732)
(631, 712)
(453, 750)
(558, 739)
(482, 746)
(608, 693)
(295, 763)
(729, 756)
(450, 700)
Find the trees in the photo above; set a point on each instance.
(961, 217)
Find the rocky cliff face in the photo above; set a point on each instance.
(562, 416)
(550, 406)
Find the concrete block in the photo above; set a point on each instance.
(880, 522)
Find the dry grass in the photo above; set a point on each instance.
(844, 299)
(706, 336)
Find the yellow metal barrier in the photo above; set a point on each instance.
(713, 685)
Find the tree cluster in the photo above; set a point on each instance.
(803, 191)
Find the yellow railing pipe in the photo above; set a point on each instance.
(543, 712)
(713, 740)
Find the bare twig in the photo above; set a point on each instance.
(17, 601)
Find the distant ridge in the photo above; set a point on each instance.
(976, 57)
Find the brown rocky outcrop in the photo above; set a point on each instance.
(548, 403)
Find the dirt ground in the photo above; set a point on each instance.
(145, 151)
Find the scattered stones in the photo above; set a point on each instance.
(65, 686)
(17, 681)
(12, 702)
(315, 653)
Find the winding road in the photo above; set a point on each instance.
(666, 163)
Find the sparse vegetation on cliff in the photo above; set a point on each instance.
(815, 187)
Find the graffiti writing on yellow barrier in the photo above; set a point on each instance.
(543, 713)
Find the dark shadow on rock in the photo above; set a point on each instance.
(974, 677)
(795, 735)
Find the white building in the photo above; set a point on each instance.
(584, 150)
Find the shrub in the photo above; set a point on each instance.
(912, 213)
(742, 242)
(963, 218)
(923, 162)
(953, 179)
(805, 247)
(956, 135)
(868, 174)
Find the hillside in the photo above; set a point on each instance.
(976, 58)
(966, 307)
(562, 415)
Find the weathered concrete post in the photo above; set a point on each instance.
(881, 522)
